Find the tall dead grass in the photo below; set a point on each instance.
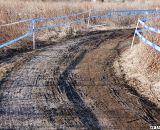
(11, 11)
(148, 59)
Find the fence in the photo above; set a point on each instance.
(102, 14)
(146, 28)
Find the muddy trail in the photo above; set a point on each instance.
(73, 85)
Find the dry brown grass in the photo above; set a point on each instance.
(142, 64)
(148, 59)
(11, 11)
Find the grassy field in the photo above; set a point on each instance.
(11, 11)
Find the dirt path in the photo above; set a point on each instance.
(73, 86)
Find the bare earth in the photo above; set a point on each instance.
(73, 85)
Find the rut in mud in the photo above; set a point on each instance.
(72, 85)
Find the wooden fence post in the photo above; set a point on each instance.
(134, 34)
(33, 30)
(88, 24)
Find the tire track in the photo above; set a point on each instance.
(48, 92)
(32, 96)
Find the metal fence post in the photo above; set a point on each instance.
(134, 34)
(33, 31)
(88, 24)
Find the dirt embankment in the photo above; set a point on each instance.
(73, 85)
(138, 73)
